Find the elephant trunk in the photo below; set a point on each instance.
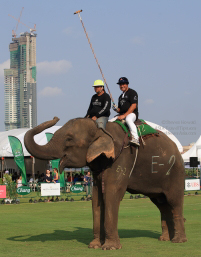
(43, 152)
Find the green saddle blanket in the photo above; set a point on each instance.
(142, 129)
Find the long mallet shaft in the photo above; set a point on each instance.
(78, 12)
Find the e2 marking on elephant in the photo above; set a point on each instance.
(120, 169)
(161, 164)
(172, 157)
(152, 166)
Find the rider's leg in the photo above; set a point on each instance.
(101, 122)
(130, 119)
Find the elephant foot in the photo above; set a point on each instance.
(164, 237)
(179, 239)
(95, 244)
(111, 245)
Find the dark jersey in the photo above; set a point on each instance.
(99, 106)
(49, 179)
(126, 100)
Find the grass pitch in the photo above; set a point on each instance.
(65, 229)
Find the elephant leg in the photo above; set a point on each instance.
(178, 230)
(112, 199)
(172, 220)
(98, 216)
(166, 218)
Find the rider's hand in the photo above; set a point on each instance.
(114, 107)
(121, 117)
(94, 118)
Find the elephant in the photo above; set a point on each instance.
(155, 170)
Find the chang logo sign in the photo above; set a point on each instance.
(18, 153)
(23, 190)
(77, 189)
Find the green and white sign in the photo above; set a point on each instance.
(23, 190)
(17, 150)
(77, 189)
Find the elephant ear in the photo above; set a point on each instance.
(102, 144)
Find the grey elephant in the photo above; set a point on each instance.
(157, 171)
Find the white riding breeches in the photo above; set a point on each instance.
(130, 119)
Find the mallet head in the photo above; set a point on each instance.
(78, 12)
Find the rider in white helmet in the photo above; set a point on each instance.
(99, 108)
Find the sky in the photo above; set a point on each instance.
(155, 44)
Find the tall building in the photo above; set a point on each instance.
(20, 83)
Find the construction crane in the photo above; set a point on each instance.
(18, 21)
(14, 32)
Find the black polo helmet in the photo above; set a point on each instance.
(123, 80)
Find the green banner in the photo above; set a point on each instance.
(24, 190)
(82, 171)
(55, 163)
(17, 150)
(77, 189)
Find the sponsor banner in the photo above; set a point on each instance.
(77, 189)
(192, 184)
(18, 154)
(3, 191)
(24, 190)
(50, 189)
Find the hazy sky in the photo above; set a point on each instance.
(155, 44)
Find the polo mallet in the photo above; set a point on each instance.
(78, 12)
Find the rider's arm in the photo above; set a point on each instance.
(130, 110)
(106, 103)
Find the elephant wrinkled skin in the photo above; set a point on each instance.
(158, 174)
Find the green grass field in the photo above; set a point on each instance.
(65, 229)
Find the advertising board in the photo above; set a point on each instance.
(50, 189)
(192, 184)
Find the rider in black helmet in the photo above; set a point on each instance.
(128, 108)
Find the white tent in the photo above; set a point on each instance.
(195, 151)
(5, 149)
(168, 133)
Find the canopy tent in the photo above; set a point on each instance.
(195, 151)
(5, 149)
(168, 133)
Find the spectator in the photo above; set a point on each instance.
(69, 178)
(87, 182)
(19, 181)
(56, 176)
(75, 178)
(14, 176)
(48, 179)
(80, 178)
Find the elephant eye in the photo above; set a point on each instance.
(69, 139)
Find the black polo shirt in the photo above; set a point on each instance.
(126, 100)
(99, 106)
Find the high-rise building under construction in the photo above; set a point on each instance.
(20, 83)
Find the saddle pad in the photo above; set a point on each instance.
(143, 129)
